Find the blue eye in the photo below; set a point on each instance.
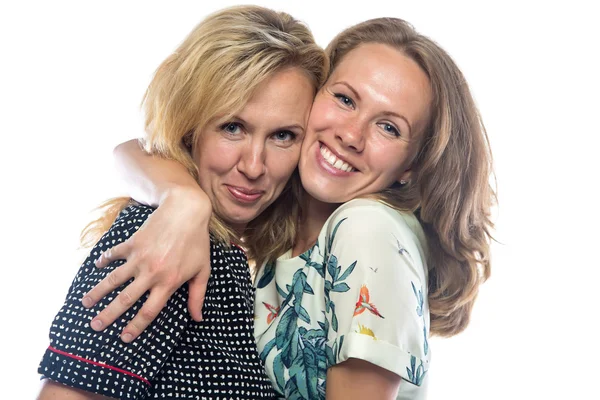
(232, 128)
(389, 128)
(345, 100)
(285, 136)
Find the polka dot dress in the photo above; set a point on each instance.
(175, 357)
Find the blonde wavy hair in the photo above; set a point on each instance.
(450, 190)
(214, 72)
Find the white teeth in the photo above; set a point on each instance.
(334, 161)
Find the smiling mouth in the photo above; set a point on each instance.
(335, 162)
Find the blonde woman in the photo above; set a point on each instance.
(393, 230)
(220, 106)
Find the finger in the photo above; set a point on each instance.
(118, 252)
(197, 288)
(116, 278)
(123, 302)
(148, 313)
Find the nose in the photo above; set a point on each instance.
(252, 160)
(352, 136)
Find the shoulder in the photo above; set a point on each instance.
(131, 218)
(369, 219)
(135, 212)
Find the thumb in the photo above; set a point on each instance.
(197, 286)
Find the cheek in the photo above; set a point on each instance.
(215, 156)
(282, 164)
(322, 115)
(389, 159)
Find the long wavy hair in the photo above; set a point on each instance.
(450, 190)
(214, 72)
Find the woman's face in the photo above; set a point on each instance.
(365, 125)
(245, 162)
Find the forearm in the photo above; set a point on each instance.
(151, 179)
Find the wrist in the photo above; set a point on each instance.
(192, 198)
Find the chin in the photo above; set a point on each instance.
(325, 196)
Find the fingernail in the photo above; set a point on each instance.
(127, 337)
(96, 325)
(87, 302)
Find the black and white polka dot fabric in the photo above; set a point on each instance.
(175, 357)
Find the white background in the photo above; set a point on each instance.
(72, 76)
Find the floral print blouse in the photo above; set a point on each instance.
(359, 292)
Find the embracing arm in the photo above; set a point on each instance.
(151, 180)
(171, 248)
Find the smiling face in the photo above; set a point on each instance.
(365, 125)
(245, 162)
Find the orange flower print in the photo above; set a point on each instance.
(273, 311)
(363, 303)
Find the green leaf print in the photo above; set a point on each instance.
(332, 237)
(279, 372)
(291, 390)
(267, 349)
(302, 314)
(331, 354)
(308, 289)
(281, 292)
(307, 255)
(425, 342)
(334, 320)
(416, 374)
(267, 276)
(290, 350)
(305, 370)
(341, 341)
(303, 353)
(319, 266)
(340, 288)
(420, 375)
(420, 313)
(287, 324)
(348, 271)
(332, 267)
(298, 284)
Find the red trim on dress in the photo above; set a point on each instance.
(238, 247)
(64, 353)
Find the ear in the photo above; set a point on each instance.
(188, 140)
(405, 176)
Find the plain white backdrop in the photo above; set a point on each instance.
(72, 75)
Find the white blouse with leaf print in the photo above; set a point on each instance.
(360, 292)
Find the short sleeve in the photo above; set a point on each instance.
(100, 362)
(378, 290)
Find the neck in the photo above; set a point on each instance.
(315, 214)
(238, 229)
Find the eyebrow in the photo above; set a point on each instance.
(349, 86)
(251, 127)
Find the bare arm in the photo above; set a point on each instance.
(51, 390)
(171, 248)
(150, 180)
(359, 379)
